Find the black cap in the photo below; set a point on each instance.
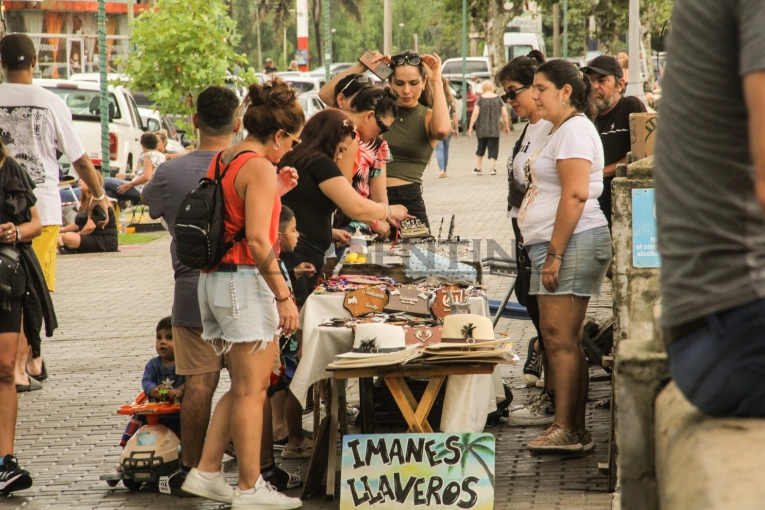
(16, 48)
(605, 65)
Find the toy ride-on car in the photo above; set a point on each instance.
(153, 453)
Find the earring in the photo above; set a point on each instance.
(277, 146)
(565, 104)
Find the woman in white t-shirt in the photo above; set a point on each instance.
(567, 237)
(516, 79)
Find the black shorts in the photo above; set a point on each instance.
(491, 143)
(10, 321)
(410, 196)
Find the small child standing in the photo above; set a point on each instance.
(296, 447)
(159, 376)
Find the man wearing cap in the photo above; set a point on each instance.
(613, 120)
(34, 124)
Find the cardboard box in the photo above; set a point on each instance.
(642, 134)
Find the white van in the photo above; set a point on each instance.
(519, 44)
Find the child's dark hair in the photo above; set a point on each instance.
(163, 324)
(285, 217)
(149, 141)
(381, 100)
(521, 69)
(562, 73)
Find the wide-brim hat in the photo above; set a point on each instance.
(467, 329)
(376, 339)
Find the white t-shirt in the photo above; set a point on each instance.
(34, 123)
(576, 138)
(534, 136)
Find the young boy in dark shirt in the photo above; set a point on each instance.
(160, 382)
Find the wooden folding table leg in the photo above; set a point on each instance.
(427, 400)
(342, 404)
(332, 457)
(404, 400)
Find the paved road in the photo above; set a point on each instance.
(108, 306)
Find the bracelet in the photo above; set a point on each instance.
(18, 235)
(389, 210)
(282, 300)
(553, 255)
(98, 199)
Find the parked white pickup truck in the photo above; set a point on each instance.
(125, 124)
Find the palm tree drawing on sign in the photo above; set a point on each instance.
(474, 445)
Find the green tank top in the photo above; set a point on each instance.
(409, 144)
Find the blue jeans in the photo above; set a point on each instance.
(442, 153)
(720, 367)
(110, 188)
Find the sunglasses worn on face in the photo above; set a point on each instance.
(412, 60)
(359, 78)
(512, 94)
(295, 140)
(383, 128)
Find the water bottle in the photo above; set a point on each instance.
(123, 222)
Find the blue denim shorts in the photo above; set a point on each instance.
(584, 264)
(237, 307)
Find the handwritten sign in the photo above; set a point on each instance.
(645, 252)
(403, 471)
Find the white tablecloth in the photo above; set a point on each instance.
(468, 400)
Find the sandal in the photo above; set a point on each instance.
(43, 375)
(304, 451)
(556, 439)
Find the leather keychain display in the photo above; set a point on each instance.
(409, 299)
(365, 300)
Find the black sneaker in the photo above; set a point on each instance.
(172, 485)
(281, 479)
(477, 171)
(12, 477)
(532, 369)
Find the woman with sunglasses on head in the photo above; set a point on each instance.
(322, 188)
(422, 121)
(566, 235)
(245, 302)
(517, 79)
(339, 91)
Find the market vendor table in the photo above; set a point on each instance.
(416, 414)
(469, 398)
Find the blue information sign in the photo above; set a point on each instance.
(645, 252)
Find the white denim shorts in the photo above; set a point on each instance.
(237, 307)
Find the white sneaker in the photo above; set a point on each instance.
(217, 489)
(536, 412)
(263, 496)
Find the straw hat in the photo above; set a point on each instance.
(377, 340)
(467, 328)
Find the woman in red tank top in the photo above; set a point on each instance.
(245, 303)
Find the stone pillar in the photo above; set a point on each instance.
(641, 363)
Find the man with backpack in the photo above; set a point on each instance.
(195, 358)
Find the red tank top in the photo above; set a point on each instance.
(233, 217)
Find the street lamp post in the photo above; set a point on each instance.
(634, 83)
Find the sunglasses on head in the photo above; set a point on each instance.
(412, 60)
(383, 128)
(512, 94)
(359, 78)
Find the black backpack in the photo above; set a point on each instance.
(199, 227)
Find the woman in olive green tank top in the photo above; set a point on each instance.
(422, 121)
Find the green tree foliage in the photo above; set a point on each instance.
(182, 47)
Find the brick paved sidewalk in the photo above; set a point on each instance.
(108, 306)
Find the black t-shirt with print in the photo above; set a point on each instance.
(614, 128)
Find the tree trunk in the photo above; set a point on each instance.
(495, 34)
(317, 29)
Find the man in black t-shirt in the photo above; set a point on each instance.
(613, 120)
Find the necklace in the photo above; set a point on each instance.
(566, 120)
